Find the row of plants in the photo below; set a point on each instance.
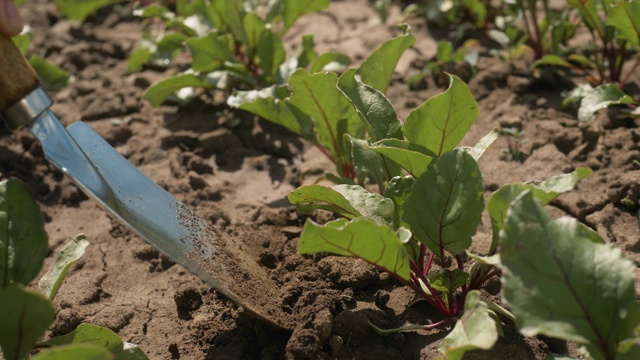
(607, 61)
(409, 202)
(426, 204)
(406, 199)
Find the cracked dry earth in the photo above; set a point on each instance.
(236, 172)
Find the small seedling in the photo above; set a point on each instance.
(515, 140)
(222, 45)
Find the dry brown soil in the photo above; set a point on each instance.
(236, 171)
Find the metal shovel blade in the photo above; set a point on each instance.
(157, 216)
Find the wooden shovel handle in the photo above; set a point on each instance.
(17, 77)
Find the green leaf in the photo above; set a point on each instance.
(625, 16)
(409, 156)
(367, 162)
(293, 9)
(231, 13)
(444, 51)
(24, 317)
(79, 9)
(254, 28)
(209, 52)
(397, 190)
(588, 10)
(445, 206)
(377, 244)
(374, 207)
(68, 256)
(159, 91)
(350, 201)
(169, 46)
(153, 10)
(271, 54)
(557, 185)
(545, 191)
(326, 60)
(561, 284)
(600, 98)
(312, 197)
(139, 57)
(378, 69)
(67, 352)
(22, 42)
(442, 121)
(23, 240)
(374, 109)
(306, 53)
(52, 77)
(446, 280)
(88, 334)
(268, 103)
(551, 60)
(317, 96)
(475, 330)
(482, 145)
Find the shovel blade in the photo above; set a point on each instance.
(158, 217)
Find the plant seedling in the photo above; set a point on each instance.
(227, 45)
(515, 139)
(25, 314)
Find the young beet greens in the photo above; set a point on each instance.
(418, 227)
(606, 61)
(25, 314)
(562, 280)
(229, 45)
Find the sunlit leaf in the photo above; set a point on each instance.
(601, 97)
(68, 256)
(442, 121)
(374, 109)
(561, 284)
(52, 77)
(475, 330)
(378, 244)
(378, 69)
(293, 9)
(445, 206)
(409, 156)
(159, 91)
(268, 103)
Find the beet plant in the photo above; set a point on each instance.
(562, 280)
(25, 313)
(607, 61)
(413, 201)
(316, 107)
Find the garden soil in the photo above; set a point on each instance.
(236, 172)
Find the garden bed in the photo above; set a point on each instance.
(236, 171)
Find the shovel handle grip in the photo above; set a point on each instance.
(17, 77)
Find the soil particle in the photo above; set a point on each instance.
(625, 191)
(66, 321)
(187, 299)
(114, 318)
(348, 272)
(91, 292)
